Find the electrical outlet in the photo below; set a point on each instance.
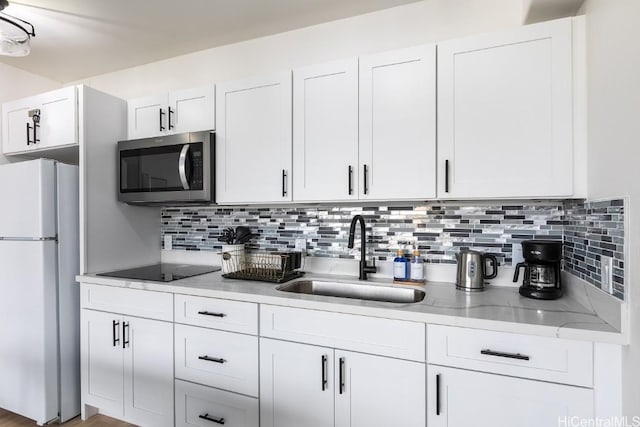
(168, 242)
(301, 245)
(606, 273)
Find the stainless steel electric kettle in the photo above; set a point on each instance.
(472, 267)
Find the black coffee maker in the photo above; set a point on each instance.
(541, 269)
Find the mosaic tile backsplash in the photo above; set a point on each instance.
(438, 230)
(592, 230)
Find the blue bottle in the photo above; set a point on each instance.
(401, 267)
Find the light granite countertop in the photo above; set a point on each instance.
(497, 308)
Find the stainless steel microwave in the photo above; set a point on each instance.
(167, 170)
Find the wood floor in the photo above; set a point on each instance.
(9, 419)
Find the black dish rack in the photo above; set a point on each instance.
(260, 266)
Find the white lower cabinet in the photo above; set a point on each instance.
(201, 406)
(127, 367)
(296, 384)
(312, 386)
(461, 398)
(378, 391)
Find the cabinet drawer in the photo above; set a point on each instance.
(386, 337)
(133, 302)
(549, 359)
(234, 316)
(194, 401)
(218, 359)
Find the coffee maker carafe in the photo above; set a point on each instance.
(541, 269)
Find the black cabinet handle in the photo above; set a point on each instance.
(28, 130)
(446, 176)
(284, 183)
(211, 359)
(324, 372)
(160, 118)
(115, 327)
(125, 334)
(438, 394)
(350, 180)
(209, 313)
(213, 420)
(366, 173)
(341, 373)
(507, 355)
(169, 118)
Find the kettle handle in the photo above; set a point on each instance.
(494, 262)
(517, 272)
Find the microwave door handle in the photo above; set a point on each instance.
(182, 167)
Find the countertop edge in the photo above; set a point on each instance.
(568, 331)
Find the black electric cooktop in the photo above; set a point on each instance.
(161, 272)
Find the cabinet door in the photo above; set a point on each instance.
(148, 371)
(58, 118)
(325, 131)
(469, 398)
(192, 110)
(15, 118)
(253, 140)
(505, 114)
(296, 385)
(102, 363)
(147, 117)
(376, 391)
(398, 124)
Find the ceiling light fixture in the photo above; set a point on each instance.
(15, 34)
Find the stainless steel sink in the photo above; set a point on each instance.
(354, 290)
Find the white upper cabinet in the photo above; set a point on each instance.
(505, 114)
(45, 121)
(325, 131)
(189, 110)
(398, 124)
(253, 140)
(147, 116)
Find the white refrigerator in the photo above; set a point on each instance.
(39, 297)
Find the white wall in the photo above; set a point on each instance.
(613, 40)
(403, 26)
(16, 83)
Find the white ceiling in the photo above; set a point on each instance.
(76, 39)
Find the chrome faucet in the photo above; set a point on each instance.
(364, 268)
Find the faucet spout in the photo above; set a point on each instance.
(364, 268)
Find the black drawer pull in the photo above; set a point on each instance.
(115, 327)
(438, 394)
(446, 176)
(324, 372)
(342, 375)
(507, 355)
(213, 420)
(211, 359)
(160, 116)
(125, 334)
(208, 313)
(366, 174)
